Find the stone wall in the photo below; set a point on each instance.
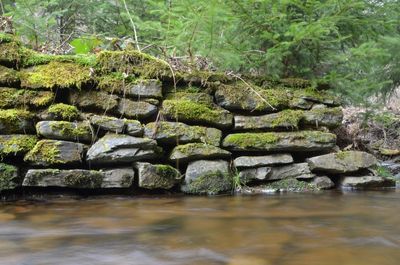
(125, 120)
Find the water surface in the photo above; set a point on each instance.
(293, 229)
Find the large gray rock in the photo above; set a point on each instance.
(65, 130)
(145, 89)
(254, 174)
(134, 128)
(287, 119)
(342, 162)
(208, 177)
(259, 161)
(329, 117)
(115, 148)
(173, 133)
(118, 178)
(94, 100)
(280, 141)
(9, 177)
(157, 176)
(107, 123)
(197, 151)
(363, 182)
(55, 152)
(323, 182)
(298, 171)
(136, 109)
(74, 178)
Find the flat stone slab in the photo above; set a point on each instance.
(283, 120)
(73, 178)
(174, 133)
(151, 88)
(118, 178)
(55, 152)
(136, 109)
(94, 101)
(208, 177)
(298, 171)
(364, 182)
(303, 141)
(254, 174)
(342, 162)
(197, 151)
(157, 176)
(107, 123)
(323, 182)
(284, 185)
(259, 161)
(329, 117)
(64, 130)
(117, 148)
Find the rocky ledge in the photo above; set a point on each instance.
(118, 121)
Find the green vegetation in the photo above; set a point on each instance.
(167, 172)
(15, 120)
(8, 177)
(32, 58)
(64, 111)
(81, 180)
(383, 172)
(251, 140)
(210, 184)
(8, 76)
(12, 97)
(288, 117)
(16, 144)
(69, 129)
(46, 151)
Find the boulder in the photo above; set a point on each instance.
(150, 88)
(136, 109)
(260, 161)
(9, 177)
(208, 177)
(157, 176)
(286, 119)
(303, 141)
(73, 178)
(198, 113)
(254, 174)
(116, 148)
(118, 178)
(173, 133)
(197, 151)
(65, 130)
(329, 117)
(341, 162)
(298, 171)
(16, 121)
(94, 101)
(55, 152)
(16, 144)
(363, 182)
(108, 123)
(323, 183)
(12, 98)
(8, 77)
(134, 128)
(242, 97)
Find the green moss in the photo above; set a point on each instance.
(32, 58)
(16, 144)
(189, 110)
(94, 179)
(12, 97)
(295, 82)
(383, 172)
(290, 185)
(132, 62)
(200, 98)
(167, 172)
(15, 120)
(6, 38)
(55, 75)
(74, 130)
(285, 117)
(249, 140)
(314, 94)
(46, 151)
(64, 111)
(8, 177)
(9, 53)
(211, 184)
(8, 76)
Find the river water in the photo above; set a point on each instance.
(290, 229)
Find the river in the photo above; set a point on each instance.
(330, 228)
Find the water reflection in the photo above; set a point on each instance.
(302, 229)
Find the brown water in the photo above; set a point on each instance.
(303, 229)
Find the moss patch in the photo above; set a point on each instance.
(16, 144)
(55, 75)
(93, 179)
(9, 53)
(15, 120)
(287, 117)
(8, 76)
(46, 151)
(31, 58)
(64, 111)
(211, 184)
(295, 82)
(12, 97)
(6, 38)
(313, 94)
(167, 172)
(8, 177)
(250, 140)
(71, 130)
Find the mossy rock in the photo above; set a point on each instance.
(74, 178)
(174, 133)
(16, 144)
(286, 119)
(196, 151)
(9, 54)
(191, 94)
(317, 96)
(202, 77)
(300, 141)
(107, 123)
(136, 109)
(118, 178)
(55, 75)
(294, 82)
(9, 177)
(16, 121)
(288, 185)
(61, 111)
(7, 38)
(197, 113)
(297, 170)
(329, 117)
(242, 97)
(55, 152)
(64, 130)
(157, 176)
(8, 77)
(94, 101)
(12, 98)
(133, 62)
(208, 177)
